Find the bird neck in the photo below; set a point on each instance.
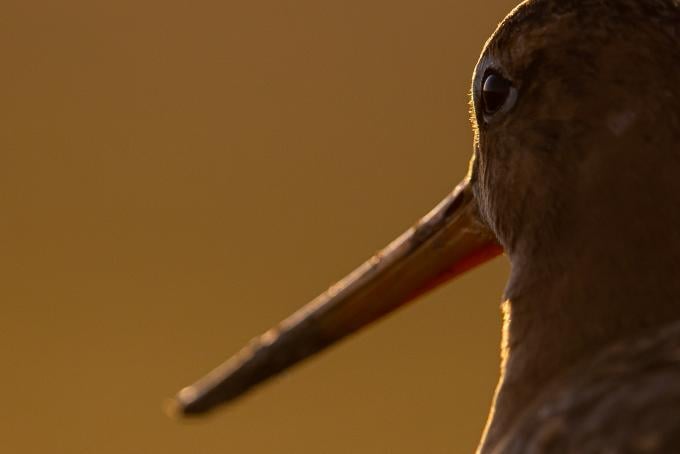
(560, 312)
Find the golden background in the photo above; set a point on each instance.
(175, 177)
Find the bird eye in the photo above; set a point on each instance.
(496, 90)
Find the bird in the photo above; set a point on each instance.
(575, 177)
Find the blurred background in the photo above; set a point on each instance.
(176, 177)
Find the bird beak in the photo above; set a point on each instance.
(445, 243)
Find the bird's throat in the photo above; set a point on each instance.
(561, 314)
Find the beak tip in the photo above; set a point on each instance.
(180, 406)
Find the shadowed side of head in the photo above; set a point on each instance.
(596, 120)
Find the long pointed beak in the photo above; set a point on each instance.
(445, 243)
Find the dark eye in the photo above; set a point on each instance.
(495, 92)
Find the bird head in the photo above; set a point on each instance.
(570, 145)
(574, 105)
